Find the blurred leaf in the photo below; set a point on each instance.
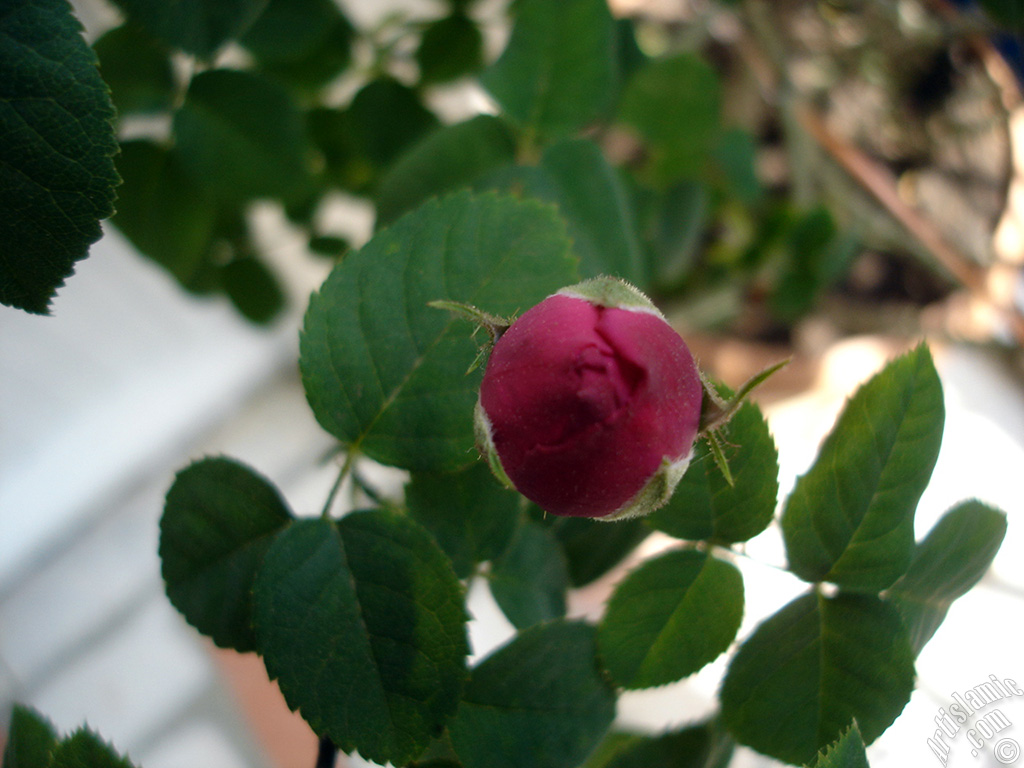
(810, 669)
(699, 746)
(1007, 13)
(218, 520)
(950, 560)
(384, 119)
(592, 548)
(850, 519)
(538, 702)
(669, 618)
(84, 749)
(162, 211)
(736, 156)
(675, 104)
(817, 255)
(363, 625)
(253, 289)
(452, 156)
(241, 136)
(574, 175)
(57, 143)
(196, 26)
(470, 515)
(529, 580)
(559, 70)
(138, 70)
(674, 227)
(845, 752)
(450, 48)
(705, 507)
(31, 740)
(331, 246)
(629, 55)
(384, 372)
(308, 42)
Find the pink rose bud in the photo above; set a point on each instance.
(590, 403)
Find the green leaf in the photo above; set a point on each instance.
(362, 623)
(674, 230)
(253, 288)
(84, 749)
(307, 42)
(31, 740)
(386, 373)
(675, 104)
(57, 142)
(845, 752)
(530, 578)
(817, 254)
(559, 70)
(810, 669)
(219, 518)
(947, 563)
(138, 70)
(450, 48)
(669, 618)
(705, 507)
(1007, 13)
(706, 745)
(196, 26)
(592, 548)
(450, 157)
(538, 702)
(241, 135)
(574, 175)
(736, 157)
(850, 519)
(470, 515)
(162, 211)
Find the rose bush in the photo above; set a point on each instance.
(590, 403)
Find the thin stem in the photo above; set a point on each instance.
(327, 754)
(346, 468)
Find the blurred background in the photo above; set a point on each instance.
(871, 194)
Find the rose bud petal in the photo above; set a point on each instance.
(590, 403)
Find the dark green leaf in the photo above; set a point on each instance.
(1008, 13)
(706, 507)
(197, 26)
(362, 623)
(253, 289)
(675, 104)
(304, 41)
(451, 157)
(469, 513)
(529, 580)
(162, 211)
(538, 702)
(630, 57)
(947, 563)
(331, 246)
(669, 618)
(592, 547)
(574, 175)
(845, 752)
(698, 746)
(57, 142)
(559, 70)
(218, 520)
(736, 157)
(240, 135)
(850, 519)
(816, 254)
(84, 749)
(31, 740)
(385, 372)
(810, 669)
(450, 48)
(138, 70)
(675, 228)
